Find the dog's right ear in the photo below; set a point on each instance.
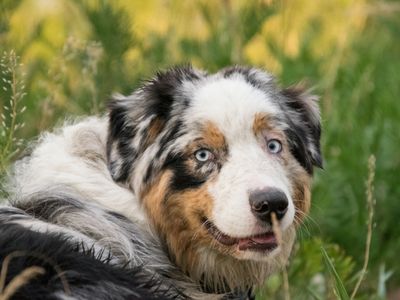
(135, 121)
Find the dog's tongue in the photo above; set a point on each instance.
(261, 242)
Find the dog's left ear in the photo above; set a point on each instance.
(304, 126)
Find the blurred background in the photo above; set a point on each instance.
(64, 58)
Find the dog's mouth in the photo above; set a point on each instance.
(264, 242)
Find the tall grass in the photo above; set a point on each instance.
(335, 275)
(349, 50)
(370, 207)
(13, 84)
(340, 289)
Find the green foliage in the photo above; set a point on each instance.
(308, 274)
(13, 86)
(77, 53)
(340, 290)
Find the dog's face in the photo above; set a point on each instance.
(216, 158)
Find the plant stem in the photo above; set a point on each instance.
(13, 107)
(370, 204)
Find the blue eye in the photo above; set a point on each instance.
(274, 146)
(203, 155)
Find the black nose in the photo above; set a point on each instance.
(266, 201)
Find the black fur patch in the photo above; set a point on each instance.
(249, 74)
(175, 132)
(304, 130)
(162, 90)
(122, 133)
(182, 178)
(297, 145)
(72, 270)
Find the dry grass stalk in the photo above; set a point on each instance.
(4, 267)
(370, 205)
(278, 234)
(6, 292)
(21, 279)
(276, 229)
(25, 276)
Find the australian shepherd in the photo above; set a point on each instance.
(191, 187)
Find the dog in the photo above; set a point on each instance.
(192, 187)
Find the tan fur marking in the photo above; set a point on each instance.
(185, 238)
(155, 128)
(154, 195)
(177, 218)
(301, 191)
(213, 136)
(261, 123)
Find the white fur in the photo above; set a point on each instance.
(75, 157)
(231, 104)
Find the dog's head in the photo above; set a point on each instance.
(215, 159)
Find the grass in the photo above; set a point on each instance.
(339, 288)
(347, 50)
(7, 291)
(336, 289)
(13, 84)
(370, 205)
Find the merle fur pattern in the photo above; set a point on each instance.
(103, 254)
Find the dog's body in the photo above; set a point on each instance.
(176, 191)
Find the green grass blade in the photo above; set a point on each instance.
(314, 294)
(340, 289)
